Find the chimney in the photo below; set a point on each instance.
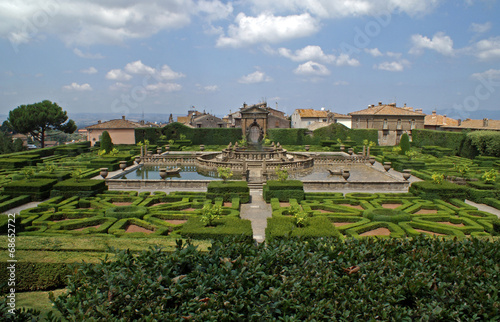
(418, 110)
(405, 105)
(379, 103)
(99, 122)
(123, 117)
(485, 122)
(434, 112)
(459, 122)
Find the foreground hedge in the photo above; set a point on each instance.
(324, 279)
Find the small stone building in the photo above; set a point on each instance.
(121, 131)
(390, 121)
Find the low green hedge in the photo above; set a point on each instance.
(14, 202)
(79, 187)
(283, 190)
(493, 202)
(35, 276)
(38, 189)
(445, 190)
(229, 190)
(126, 212)
(224, 227)
(389, 215)
(284, 228)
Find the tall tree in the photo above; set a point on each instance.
(36, 119)
(106, 143)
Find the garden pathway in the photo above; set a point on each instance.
(257, 211)
(484, 207)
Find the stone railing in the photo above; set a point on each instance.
(339, 159)
(169, 159)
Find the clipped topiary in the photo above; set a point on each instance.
(106, 143)
(389, 215)
(121, 212)
(404, 144)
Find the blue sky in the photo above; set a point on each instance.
(166, 56)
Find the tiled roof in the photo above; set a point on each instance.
(183, 119)
(477, 125)
(439, 120)
(340, 116)
(387, 110)
(311, 113)
(115, 124)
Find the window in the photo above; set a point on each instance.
(412, 124)
(367, 123)
(399, 124)
(385, 126)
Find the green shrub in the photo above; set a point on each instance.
(445, 139)
(38, 189)
(228, 190)
(14, 202)
(283, 190)
(35, 276)
(79, 187)
(389, 215)
(195, 228)
(121, 212)
(496, 226)
(445, 190)
(404, 144)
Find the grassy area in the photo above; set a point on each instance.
(90, 244)
(38, 301)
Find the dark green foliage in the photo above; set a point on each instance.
(285, 228)
(283, 190)
(14, 202)
(404, 144)
(389, 215)
(38, 189)
(36, 276)
(37, 118)
(393, 279)
(228, 190)
(451, 140)
(430, 190)
(7, 145)
(496, 226)
(221, 228)
(79, 187)
(106, 143)
(486, 142)
(126, 212)
(20, 314)
(437, 151)
(288, 136)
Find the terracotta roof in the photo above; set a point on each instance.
(387, 110)
(340, 116)
(183, 119)
(311, 113)
(439, 120)
(478, 125)
(115, 124)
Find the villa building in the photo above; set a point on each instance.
(435, 121)
(390, 121)
(314, 119)
(474, 125)
(121, 131)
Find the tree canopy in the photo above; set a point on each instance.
(35, 119)
(106, 143)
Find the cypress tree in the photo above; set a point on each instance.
(404, 143)
(106, 143)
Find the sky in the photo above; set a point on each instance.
(152, 56)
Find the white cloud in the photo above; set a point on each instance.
(311, 68)
(491, 74)
(345, 60)
(164, 87)
(375, 52)
(307, 53)
(90, 70)
(211, 88)
(164, 73)
(78, 87)
(81, 54)
(118, 74)
(487, 49)
(88, 22)
(343, 8)
(440, 42)
(315, 53)
(255, 77)
(394, 66)
(480, 28)
(341, 83)
(120, 87)
(267, 28)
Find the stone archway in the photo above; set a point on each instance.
(255, 134)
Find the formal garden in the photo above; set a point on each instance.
(189, 255)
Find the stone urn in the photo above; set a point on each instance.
(123, 165)
(163, 173)
(372, 160)
(346, 174)
(342, 148)
(202, 147)
(149, 153)
(158, 150)
(406, 174)
(307, 147)
(167, 147)
(387, 166)
(137, 160)
(351, 151)
(104, 172)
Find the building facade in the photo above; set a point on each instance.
(390, 121)
(314, 119)
(121, 131)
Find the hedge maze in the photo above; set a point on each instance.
(132, 214)
(383, 215)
